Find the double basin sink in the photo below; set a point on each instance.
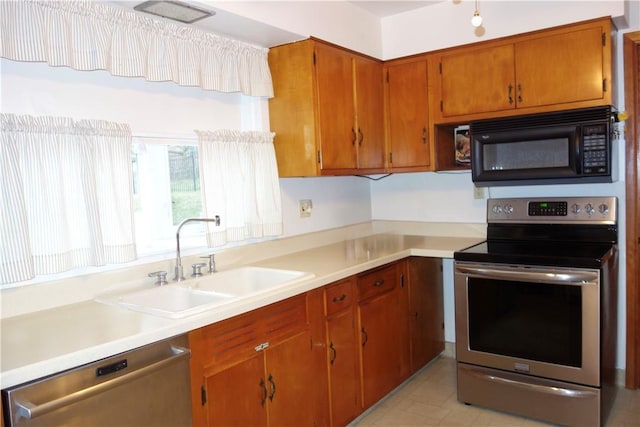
(193, 296)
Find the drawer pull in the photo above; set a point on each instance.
(340, 298)
(273, 387)
(365, 336)
(378, 283)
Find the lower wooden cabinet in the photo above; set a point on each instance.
(426, 309)
(383, 325)
(319, 358)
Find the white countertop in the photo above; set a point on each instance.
(44, 342)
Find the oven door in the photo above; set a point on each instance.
(541, 321)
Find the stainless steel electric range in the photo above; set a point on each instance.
(536, 310)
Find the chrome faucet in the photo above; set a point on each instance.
(179, 276)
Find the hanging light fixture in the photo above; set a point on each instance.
(476, 20)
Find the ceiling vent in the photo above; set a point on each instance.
(175, 10)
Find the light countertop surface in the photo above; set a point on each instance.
(48, 341)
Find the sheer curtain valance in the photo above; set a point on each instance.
(87, 35)
(239, 177)
(65, 195)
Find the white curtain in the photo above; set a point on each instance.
(66, 195)
(239, 179)
(88, 35)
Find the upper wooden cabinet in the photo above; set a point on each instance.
(407, 116)
(562, 68)
(327, 110)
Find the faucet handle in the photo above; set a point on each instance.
(161, 277)
(196, 269)
(212, 262)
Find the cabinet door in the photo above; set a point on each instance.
(382, 350)
(407, 104)
(478, 80)
(560, 68)
(343, 367)
(369, 113)
(336, 111)
(238, 395)
(426, 310)
(289, 381)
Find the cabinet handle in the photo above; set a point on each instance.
(340, 298)
(273, 387)
(334, 353)
(264, 392)
(424, 135)
(361, 137)
(519, 92)
(510, 93)
(365, 336)
(378, 283)
(355, 137)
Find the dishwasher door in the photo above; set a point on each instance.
(148, 386)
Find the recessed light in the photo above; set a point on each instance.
(175, 10)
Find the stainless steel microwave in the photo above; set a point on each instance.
(573, 146)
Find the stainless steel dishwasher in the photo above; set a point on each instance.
(148, 386)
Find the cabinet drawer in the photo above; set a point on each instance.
(241, 336)
(377, 282)
(338, 297)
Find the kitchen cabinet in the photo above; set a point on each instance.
(426, 309)
(253, 369)
(327, 110)
(407, 115)
(561, 68)
(342, 352)
(383, 324)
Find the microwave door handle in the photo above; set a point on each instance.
(569, 278)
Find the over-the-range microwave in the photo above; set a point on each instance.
(573, 146)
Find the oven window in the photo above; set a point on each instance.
(532, 321)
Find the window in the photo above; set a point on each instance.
(166, 190)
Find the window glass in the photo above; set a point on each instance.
(166, 190)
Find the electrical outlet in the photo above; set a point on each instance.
(479, 193)
(305, 208)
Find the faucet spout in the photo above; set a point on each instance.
(179, 275)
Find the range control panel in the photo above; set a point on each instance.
(584, 210)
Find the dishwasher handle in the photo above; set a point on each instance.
(30, 410)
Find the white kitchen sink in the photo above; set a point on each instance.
(247, 281)
(193, 296)
(167, 301)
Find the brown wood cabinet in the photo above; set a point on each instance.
(253, 369)
(407, 116)
(561, 68)
(327, 110)
(342, 357)
(426, 309)
(383, 325)
(323, 357)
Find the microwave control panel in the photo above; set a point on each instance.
(595, 153)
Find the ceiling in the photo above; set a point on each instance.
(248, 30)
(388, 8)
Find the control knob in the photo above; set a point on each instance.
(589, 209)
(576, 208)
(497, 209)
(603, 209)
(508, 209)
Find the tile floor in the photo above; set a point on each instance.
(429, 399)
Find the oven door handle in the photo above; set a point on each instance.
(553, 390)
(521, 275)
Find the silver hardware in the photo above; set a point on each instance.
(179, 276)
(196, 269)
(161, 277)
(212, 262)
